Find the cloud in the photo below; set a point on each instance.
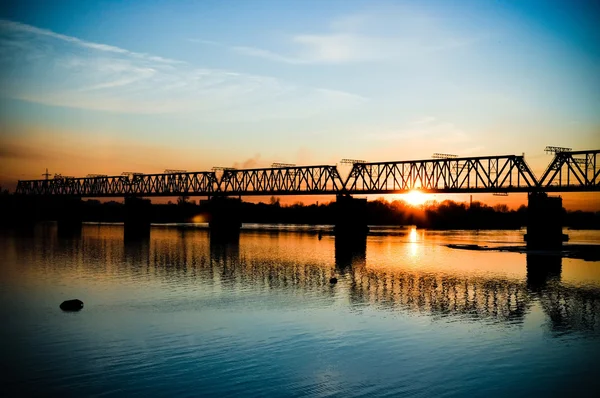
(424, 128)
(423, 120)
(400, 34)
(427, 134)
(10, 151)
(18, 27)
(42, 66)
(201, 41)
(258, 52)
(250, 163)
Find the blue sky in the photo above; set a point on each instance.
(107, 86)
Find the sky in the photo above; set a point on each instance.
(110, 86)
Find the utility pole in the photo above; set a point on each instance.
(46, 174)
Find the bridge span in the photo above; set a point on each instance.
(568, 172)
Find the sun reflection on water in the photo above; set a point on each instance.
(413, 238)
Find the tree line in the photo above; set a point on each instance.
(435, 215)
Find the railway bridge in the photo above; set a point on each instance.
(569, 171)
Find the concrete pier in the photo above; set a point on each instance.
(350, 218)
(137, 218)
(225, 217)
(544, 222)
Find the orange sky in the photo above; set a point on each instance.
(26, 155)
(380, 82)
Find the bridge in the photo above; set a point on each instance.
(569, 171)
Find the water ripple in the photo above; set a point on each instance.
(181, 315)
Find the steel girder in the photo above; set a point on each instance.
(201, 183)
(569, 171)
(453, 175)
(281, 181)
(573, 171)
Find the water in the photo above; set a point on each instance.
(179, 315)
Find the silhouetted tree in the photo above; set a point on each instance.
(274, 201)
(445, 215)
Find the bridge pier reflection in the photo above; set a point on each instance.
(69, 215)
(136, 252)
(350, 253)
(225, 257)
(542, 270)
(567, 307)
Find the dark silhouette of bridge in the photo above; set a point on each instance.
(569, 171)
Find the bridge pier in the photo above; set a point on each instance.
(544, 221)
(137, 218)
(350, 219)
(69, 215)
(225, 217)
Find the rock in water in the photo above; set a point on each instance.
(333, 280)
(71, 305)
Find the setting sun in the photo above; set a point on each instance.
(224, 197)
(414, 198)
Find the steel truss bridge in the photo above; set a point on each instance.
(568, 171)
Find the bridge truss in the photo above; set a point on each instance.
(452, 175)
(281, 181)
(569, 171)
(573, 171)
(200, 183)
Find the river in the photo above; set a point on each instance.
(179, 314)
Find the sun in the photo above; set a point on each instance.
(414, 198)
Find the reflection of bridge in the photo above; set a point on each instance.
(480, 298)
(569, 171)
(193, 259)
(494, 299)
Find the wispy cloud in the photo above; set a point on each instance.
(261, 53)
(427, 133)
(396, 35)
(425, 128)
(208, 42)
(43, 66)
(18, 27)
(250, 163)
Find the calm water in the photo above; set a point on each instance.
(179, 315)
